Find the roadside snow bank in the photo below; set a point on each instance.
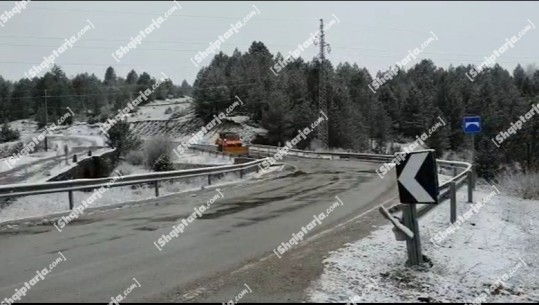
(499, 242)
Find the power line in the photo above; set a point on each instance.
(154, 14)
(233, 45)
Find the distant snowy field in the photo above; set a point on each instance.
(77, 134)
(489, 245)
(162, 109)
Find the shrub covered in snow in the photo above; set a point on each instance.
(155, 148)
(121, 137)
(8, 135)
(520, 184)
(9, 149)
(163, 164)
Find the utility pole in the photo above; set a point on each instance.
(323, 128)
(46, 121)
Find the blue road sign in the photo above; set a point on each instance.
(472, 124)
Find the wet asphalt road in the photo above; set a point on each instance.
(106, 251)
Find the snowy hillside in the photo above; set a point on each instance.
(175, 118)
(168, 109)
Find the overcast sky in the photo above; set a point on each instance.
(372, 34)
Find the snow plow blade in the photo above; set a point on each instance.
(242, 150)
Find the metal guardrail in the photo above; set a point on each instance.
(20, 190)
(342, 155)
(447, 189)
(406, 228)
(462, 171)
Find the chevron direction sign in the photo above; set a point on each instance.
(417, 178)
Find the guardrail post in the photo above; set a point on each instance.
(470, 187)
(209, 179)
(241, 173)
(156, 184)
(455, 171)
(70, 195)
(453, 195)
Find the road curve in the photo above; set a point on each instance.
(106, 250)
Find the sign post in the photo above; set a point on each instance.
(472, 125)
(417, 180)
(413, 245)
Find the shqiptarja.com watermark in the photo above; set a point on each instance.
(499, 283)
(79, 210)
(491, 60)
(515, 126)
(239, 296)
(412, 55)
(40, 276)
(215, 46)
(302, 135)
(441, 235)
(197, 137)
(137, 40)
(17, 9)
(399, 157)
(179, 229)
(124, 113)
(298, 237)
(51, 59)
(30, 147)
(122, 296)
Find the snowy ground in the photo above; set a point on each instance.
(40, 165)
(77, 135)
(186, 158)
(129, 169)
(499, 242)
(4, 167)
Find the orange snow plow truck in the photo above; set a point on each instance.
(230, 142)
